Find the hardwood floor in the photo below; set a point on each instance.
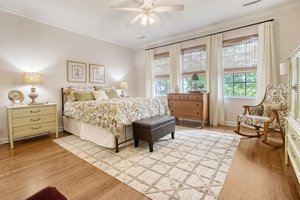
(257, 172)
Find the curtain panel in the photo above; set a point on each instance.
(149, 73)
(266, 69)
(215, 79)
(175, 67)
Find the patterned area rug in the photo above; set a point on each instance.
(192, 166)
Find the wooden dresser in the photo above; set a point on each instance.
(25, 120)
(292, 134)
(189, 106)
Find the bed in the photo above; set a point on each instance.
(108, 122)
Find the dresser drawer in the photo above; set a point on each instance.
(185, 96)
(186, 104)
(27, 112)
(35, 128)
(186, 112)
(33, 120)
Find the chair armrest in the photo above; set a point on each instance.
(279, 115)
(253, 110)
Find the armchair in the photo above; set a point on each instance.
(268, 115)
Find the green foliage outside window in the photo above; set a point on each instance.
(162, 87)
(240, 84)
(190, 85)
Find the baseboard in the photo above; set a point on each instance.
(5, 140)
(229, 123)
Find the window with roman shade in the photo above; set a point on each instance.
(193, 61)
(161, 70)
(240, 57)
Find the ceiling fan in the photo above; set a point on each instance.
(147, 12)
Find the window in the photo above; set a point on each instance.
(240, 62)
(193, 61)
(161, 69)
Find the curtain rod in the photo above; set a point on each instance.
(195, 38)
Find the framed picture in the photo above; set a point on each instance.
(97, 73)
(76, 71)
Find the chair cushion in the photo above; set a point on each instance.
(258, 121)
(268, 107)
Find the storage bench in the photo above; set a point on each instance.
(152, 129)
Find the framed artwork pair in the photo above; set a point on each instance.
(77, 72)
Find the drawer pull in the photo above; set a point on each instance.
(197, 104)
(35, 120)
(35, 111)
(293, 137)
(36, 127)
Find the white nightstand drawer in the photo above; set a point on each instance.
(33, 120)
(27, 112)
(36, 128)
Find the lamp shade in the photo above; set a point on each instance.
(32, 78)
(123, 85)
(283, 69)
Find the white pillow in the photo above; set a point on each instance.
(100, 95)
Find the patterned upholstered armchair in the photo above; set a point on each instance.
(268, 115)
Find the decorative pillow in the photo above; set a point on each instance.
(112, 94)
(84, 96)
(69, 92)
(99, 95)
(268, 107)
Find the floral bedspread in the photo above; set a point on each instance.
(114, 114)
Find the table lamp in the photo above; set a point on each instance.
(33, 79)
(123, 86)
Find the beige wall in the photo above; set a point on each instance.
(26, 45)
(287, 38)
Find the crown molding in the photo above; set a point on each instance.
(174, 38)
(238, 21)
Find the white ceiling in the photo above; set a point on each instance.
(94, 18)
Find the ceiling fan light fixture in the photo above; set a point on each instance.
(144, 20)
(148, 10)
(147, 19)
(151, 20)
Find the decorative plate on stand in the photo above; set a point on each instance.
(16, 96)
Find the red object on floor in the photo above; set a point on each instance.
(48, 193)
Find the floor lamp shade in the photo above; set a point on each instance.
(33, 79)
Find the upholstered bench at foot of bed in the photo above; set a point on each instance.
(152, 129)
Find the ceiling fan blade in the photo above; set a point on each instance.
(156, 18)
(124, 8)
(169, 8)
(134, 20)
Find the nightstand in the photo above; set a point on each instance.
(28, 120)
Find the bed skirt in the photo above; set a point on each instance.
(96, 134)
